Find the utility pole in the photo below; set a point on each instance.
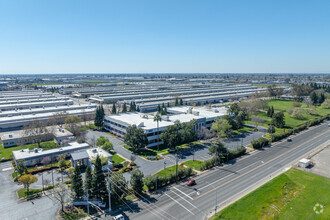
(42, 180)
(109, 194)
(52, 178)
(176, 168)
(242, 141)
(156, 182)
(87, 203)
(216, 201)
(164, 164)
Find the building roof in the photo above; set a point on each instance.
(93, 152)
(37, 153)
(79, 155)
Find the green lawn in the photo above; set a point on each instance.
(22, 192)
(196, 164)
(167, 171)
(292, 195)
(117, 159)
(7, 152)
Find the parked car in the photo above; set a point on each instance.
(191, 182)
(289, 140)
(119, 217)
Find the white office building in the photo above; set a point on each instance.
(117, 123)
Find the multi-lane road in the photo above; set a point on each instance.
(227, 183)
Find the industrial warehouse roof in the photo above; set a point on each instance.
(79, 155)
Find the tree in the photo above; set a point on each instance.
(314, 98)
(204, 133)
(326, 104)
(21, 167)
(99, 186)
(77, 183)
(271, 129)
(99, 116)
(88, 179)
(136, 181)
(239, 119)
(58, 118)
(59, 195)
(269, 111)
(158, 118)
(257, 120)
(46, 160)
(176, 101)
(234, 109)
(188, 133)
(181, 102)
(108, 146)
(272, 111)
(27, 180)
(278, 120)
(168, 105)
(158, 108)
(72, 123)
(298, 113)
(135, 137)
(118, 187)
(113, 110)
(218, 149)
(61, 161)
(171, 136)
(321, 98)
(37, 132)
(124, 108)
(101, 140)
(221, 127)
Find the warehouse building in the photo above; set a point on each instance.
(117, 123)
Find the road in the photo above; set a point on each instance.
(225, 183)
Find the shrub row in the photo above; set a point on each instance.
(45, 168)
(150, 181)
(214, 161)
(259, 143)
(236, 153)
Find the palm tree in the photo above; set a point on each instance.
(158, 118)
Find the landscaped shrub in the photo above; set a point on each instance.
(259, 143)
(149, 181)
(132, 163)
(236, 153)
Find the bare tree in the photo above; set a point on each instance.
(257, 120)
(72, 123)
(204, 133)
(37, 132)
(59, 195)
(58, 118)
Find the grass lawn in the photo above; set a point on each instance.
(196, 164)
(72, 216)
(242, 130)
(292, 195)
(22, 192)
(117, 159)
(167, 171)
(7, 152)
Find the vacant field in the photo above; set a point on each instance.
(292, 195)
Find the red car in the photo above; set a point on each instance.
(191, 182)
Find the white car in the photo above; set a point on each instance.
(118, 217)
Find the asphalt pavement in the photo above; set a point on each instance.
(223, 184)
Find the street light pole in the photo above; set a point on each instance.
(109, 194)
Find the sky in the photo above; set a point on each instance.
(164, 36)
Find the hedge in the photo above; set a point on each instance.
(259, 143)
(45, 168)
(150, 181)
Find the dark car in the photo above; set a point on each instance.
(191, 182)
(289, 140)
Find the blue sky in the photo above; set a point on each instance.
(164, 36)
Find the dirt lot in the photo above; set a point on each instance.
(322, 163)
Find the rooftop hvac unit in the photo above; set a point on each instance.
(141, 125)
(195, 113)
(216, 110)
(189, 111)
(165, 117)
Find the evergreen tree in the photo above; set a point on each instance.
(98, 121)
(131, 106)
(158, 108)
(136, 181)
(181, 102)
(124, 108)
(88, 179)
(118, 187)
(137, 109)
(99, 186)
(77, 183)
(321, 99)
(268, 111)
(176, 101)
(272, 112)
(114, 110)
(168, 105)
(314, 98)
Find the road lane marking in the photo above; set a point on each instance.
(183, 193)
(225, 176)
(186, 201)
(180, 204)
(258, 166)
